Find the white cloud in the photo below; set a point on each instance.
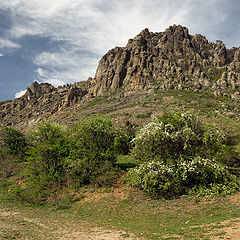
(20, 94)
(1, 55)
(94, 25)
(101, 24)
(8, 44)
(64, 67)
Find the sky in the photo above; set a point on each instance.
(62, 41)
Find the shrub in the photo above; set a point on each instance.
(84, 153)
(13, 147)
(97, 138)
(97, 143)
(172, 135)
(46, 156)
(197, 175)
(178, 152)
(156, 178)
(46, 169)
(14, 141)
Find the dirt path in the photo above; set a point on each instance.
(39, 225)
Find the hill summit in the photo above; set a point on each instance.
(172, 59)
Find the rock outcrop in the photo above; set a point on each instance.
(172, 59)
(43, 100)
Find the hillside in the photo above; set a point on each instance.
(154, 72)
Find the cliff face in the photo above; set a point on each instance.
(42, 101)
(172, 59)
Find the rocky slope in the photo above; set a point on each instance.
(150, 62)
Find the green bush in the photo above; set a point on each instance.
(46, 169)
(82, 154)
(97, 143)
(172, 135)
(156, 178)
(180, 154)
(14, 141)
(13, 147)
(201, 176)
(98, 138)
(46, 156)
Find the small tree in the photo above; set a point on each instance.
(97, 143)
(46, 156)
(13, 140)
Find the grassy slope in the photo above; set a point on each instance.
(127, 210)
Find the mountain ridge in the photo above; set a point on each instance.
(150, 62)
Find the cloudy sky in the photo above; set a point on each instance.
(61, 41)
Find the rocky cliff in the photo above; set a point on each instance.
(172, 59)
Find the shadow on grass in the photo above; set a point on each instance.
(125, 162)
(125, 166)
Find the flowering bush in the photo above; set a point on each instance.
(156, 178)
(177, 134)
(198, 175)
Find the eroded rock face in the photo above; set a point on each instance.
(42, 101)
(172, 59)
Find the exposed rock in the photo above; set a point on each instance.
(74, 94)
(41, 101)
(173, 55)
(150, 62)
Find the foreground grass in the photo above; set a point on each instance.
(175, 219)
(128, 210)
(120, 210)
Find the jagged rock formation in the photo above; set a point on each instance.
(43, 100)
(172, 59)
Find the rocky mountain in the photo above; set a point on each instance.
(171, 59)
(150, 62)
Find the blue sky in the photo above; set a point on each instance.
(61, 41)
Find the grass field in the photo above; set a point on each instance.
(121, 212)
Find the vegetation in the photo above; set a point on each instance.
(13, 147)
(203, 177)
(172, 157)
(172, 135)
(54, 158)
(180, 154)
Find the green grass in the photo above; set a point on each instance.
(153, 219)
(215, 73)
(126, 161)
(183, 218)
